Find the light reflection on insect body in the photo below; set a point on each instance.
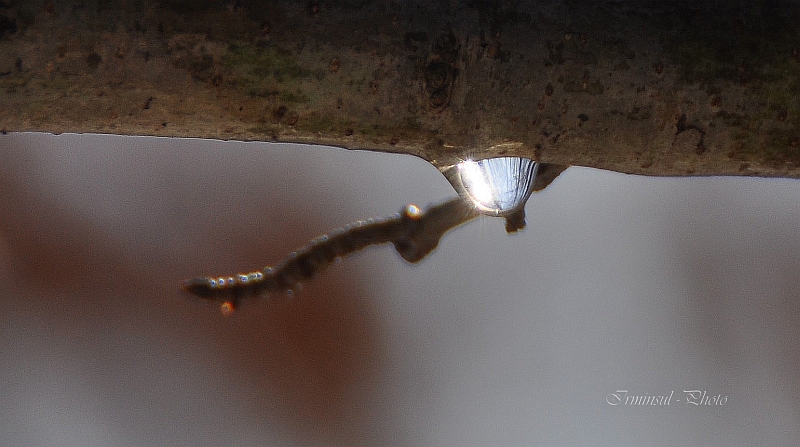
(413, 211)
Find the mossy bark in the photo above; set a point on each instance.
(672, 88)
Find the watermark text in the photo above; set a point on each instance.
(686, 397)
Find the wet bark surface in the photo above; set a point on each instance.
(656, 88)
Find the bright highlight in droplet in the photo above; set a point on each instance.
(475, 182)
(497, 186)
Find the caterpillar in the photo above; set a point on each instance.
(413, 232)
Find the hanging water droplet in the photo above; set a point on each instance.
(496, 186)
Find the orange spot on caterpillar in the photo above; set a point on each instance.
(227, 308)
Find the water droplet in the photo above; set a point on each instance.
(497, 186)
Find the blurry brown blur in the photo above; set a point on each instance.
(308, 364)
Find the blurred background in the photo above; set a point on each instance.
(649, 285)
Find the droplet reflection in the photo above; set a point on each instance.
(497, 186)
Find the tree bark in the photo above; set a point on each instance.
(656, 88)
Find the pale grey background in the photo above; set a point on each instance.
(650, 285)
